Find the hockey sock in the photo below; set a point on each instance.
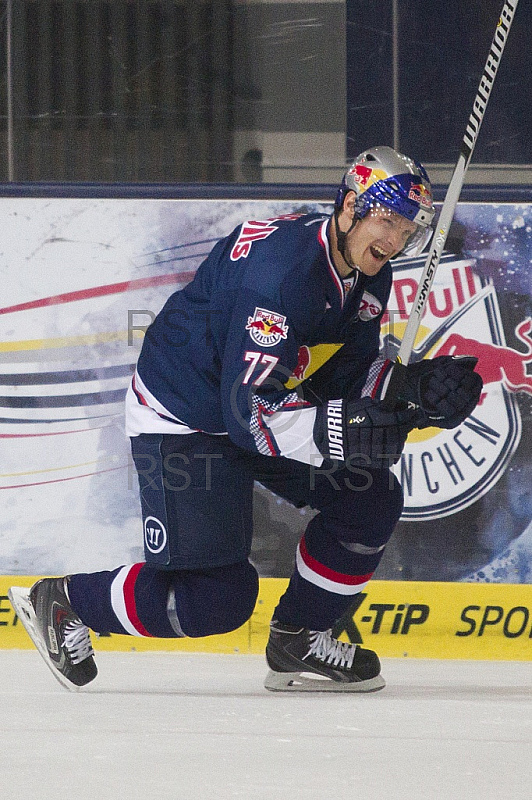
(128, 600)
(328, 574)
(341, 550)
(142, 600)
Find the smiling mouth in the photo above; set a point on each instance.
(378, 253)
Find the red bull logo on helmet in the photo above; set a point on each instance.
(444, 471)
(361, 174)
(267, 328)
(365, 176)
(420, 194)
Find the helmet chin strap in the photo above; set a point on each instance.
(341, 236)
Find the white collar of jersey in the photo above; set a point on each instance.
(323, 238)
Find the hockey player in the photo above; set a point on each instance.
(209, 413)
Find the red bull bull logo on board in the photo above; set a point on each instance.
(497, 363)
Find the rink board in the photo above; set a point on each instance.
(396, 618)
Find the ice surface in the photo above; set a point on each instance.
(176, 726)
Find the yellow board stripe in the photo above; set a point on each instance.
(395, 618)
(62, 341)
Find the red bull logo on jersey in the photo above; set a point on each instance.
(445, 471)
(267, 328)
(303, 361)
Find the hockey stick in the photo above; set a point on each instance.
(451, 199)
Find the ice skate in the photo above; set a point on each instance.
(302, 660)
(57, 632)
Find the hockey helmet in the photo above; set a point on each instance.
(382, 177)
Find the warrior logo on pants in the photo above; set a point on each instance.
(154, 534)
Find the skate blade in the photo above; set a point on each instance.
(20, 600)
(306, 682)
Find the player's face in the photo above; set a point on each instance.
(376, 238)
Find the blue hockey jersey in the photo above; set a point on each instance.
(218, 356)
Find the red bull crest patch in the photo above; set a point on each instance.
(444, 471)
(267, 328)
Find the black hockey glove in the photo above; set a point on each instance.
(445, 389)
(361, 433)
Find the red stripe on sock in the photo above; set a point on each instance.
(330, 574)
(129, 599)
